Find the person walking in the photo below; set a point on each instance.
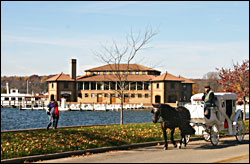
(50, 106)
(55, 115)
(208, 98)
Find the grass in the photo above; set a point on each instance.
(37, 142)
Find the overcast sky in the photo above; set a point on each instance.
(193, 38)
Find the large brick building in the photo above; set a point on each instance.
(99, 85)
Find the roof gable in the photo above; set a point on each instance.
(166, 77)
(60, 77)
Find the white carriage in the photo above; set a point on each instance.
(224, 117)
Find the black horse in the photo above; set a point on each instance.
(172, 118)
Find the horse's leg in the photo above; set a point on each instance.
(185, 141)
(172, 137)
(163, 127)
(184, 138)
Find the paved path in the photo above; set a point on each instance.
(227, 151)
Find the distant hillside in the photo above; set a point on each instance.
(37, 84)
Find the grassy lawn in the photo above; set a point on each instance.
(37, 142)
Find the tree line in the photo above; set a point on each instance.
(36, 84)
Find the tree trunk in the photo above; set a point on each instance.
(121, 119)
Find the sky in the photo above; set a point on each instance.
(193, 38)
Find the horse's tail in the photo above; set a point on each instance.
(184, 113)
(185, 127)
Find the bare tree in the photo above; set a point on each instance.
(116, 57)
(210, 78)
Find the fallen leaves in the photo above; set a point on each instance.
(61, 140)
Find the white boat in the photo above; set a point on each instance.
(25, 101)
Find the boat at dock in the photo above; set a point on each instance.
(14, 99)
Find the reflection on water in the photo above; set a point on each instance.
(13, 118)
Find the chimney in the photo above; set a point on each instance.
(72, 68)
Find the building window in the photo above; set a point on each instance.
(80, 85)
(99, 86)
(133, 86)
(172, 85)
(124, 73)
(52, 85)
(86, 85)
(132, 95)
(146, 95)
(106, 85)
(144, 73)
(98, 73)
(139, 85)
(93, 85)
(146, 86)
(110, 73)
(20, 99)
(86, 95)
(104, 73)
(112, 85)
(130, 73)
(92, 95)
(157, 85)
(137, 73)
(139, 95)
(126, 85)
(13, 98)
(117, 73)
(80, 95)
(106, 95)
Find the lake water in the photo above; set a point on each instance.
(13, 118)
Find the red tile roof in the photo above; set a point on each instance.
(121, 67)
(60, 77)
(116, 78)
(166, 77)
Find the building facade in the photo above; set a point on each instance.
(103, 84)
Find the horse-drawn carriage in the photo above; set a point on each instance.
(190, 119)
(223, 117)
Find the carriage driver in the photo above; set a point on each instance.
(208, 98)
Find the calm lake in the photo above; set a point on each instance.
(13, 118)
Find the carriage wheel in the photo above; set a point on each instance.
(214, 134)
(240, 130)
